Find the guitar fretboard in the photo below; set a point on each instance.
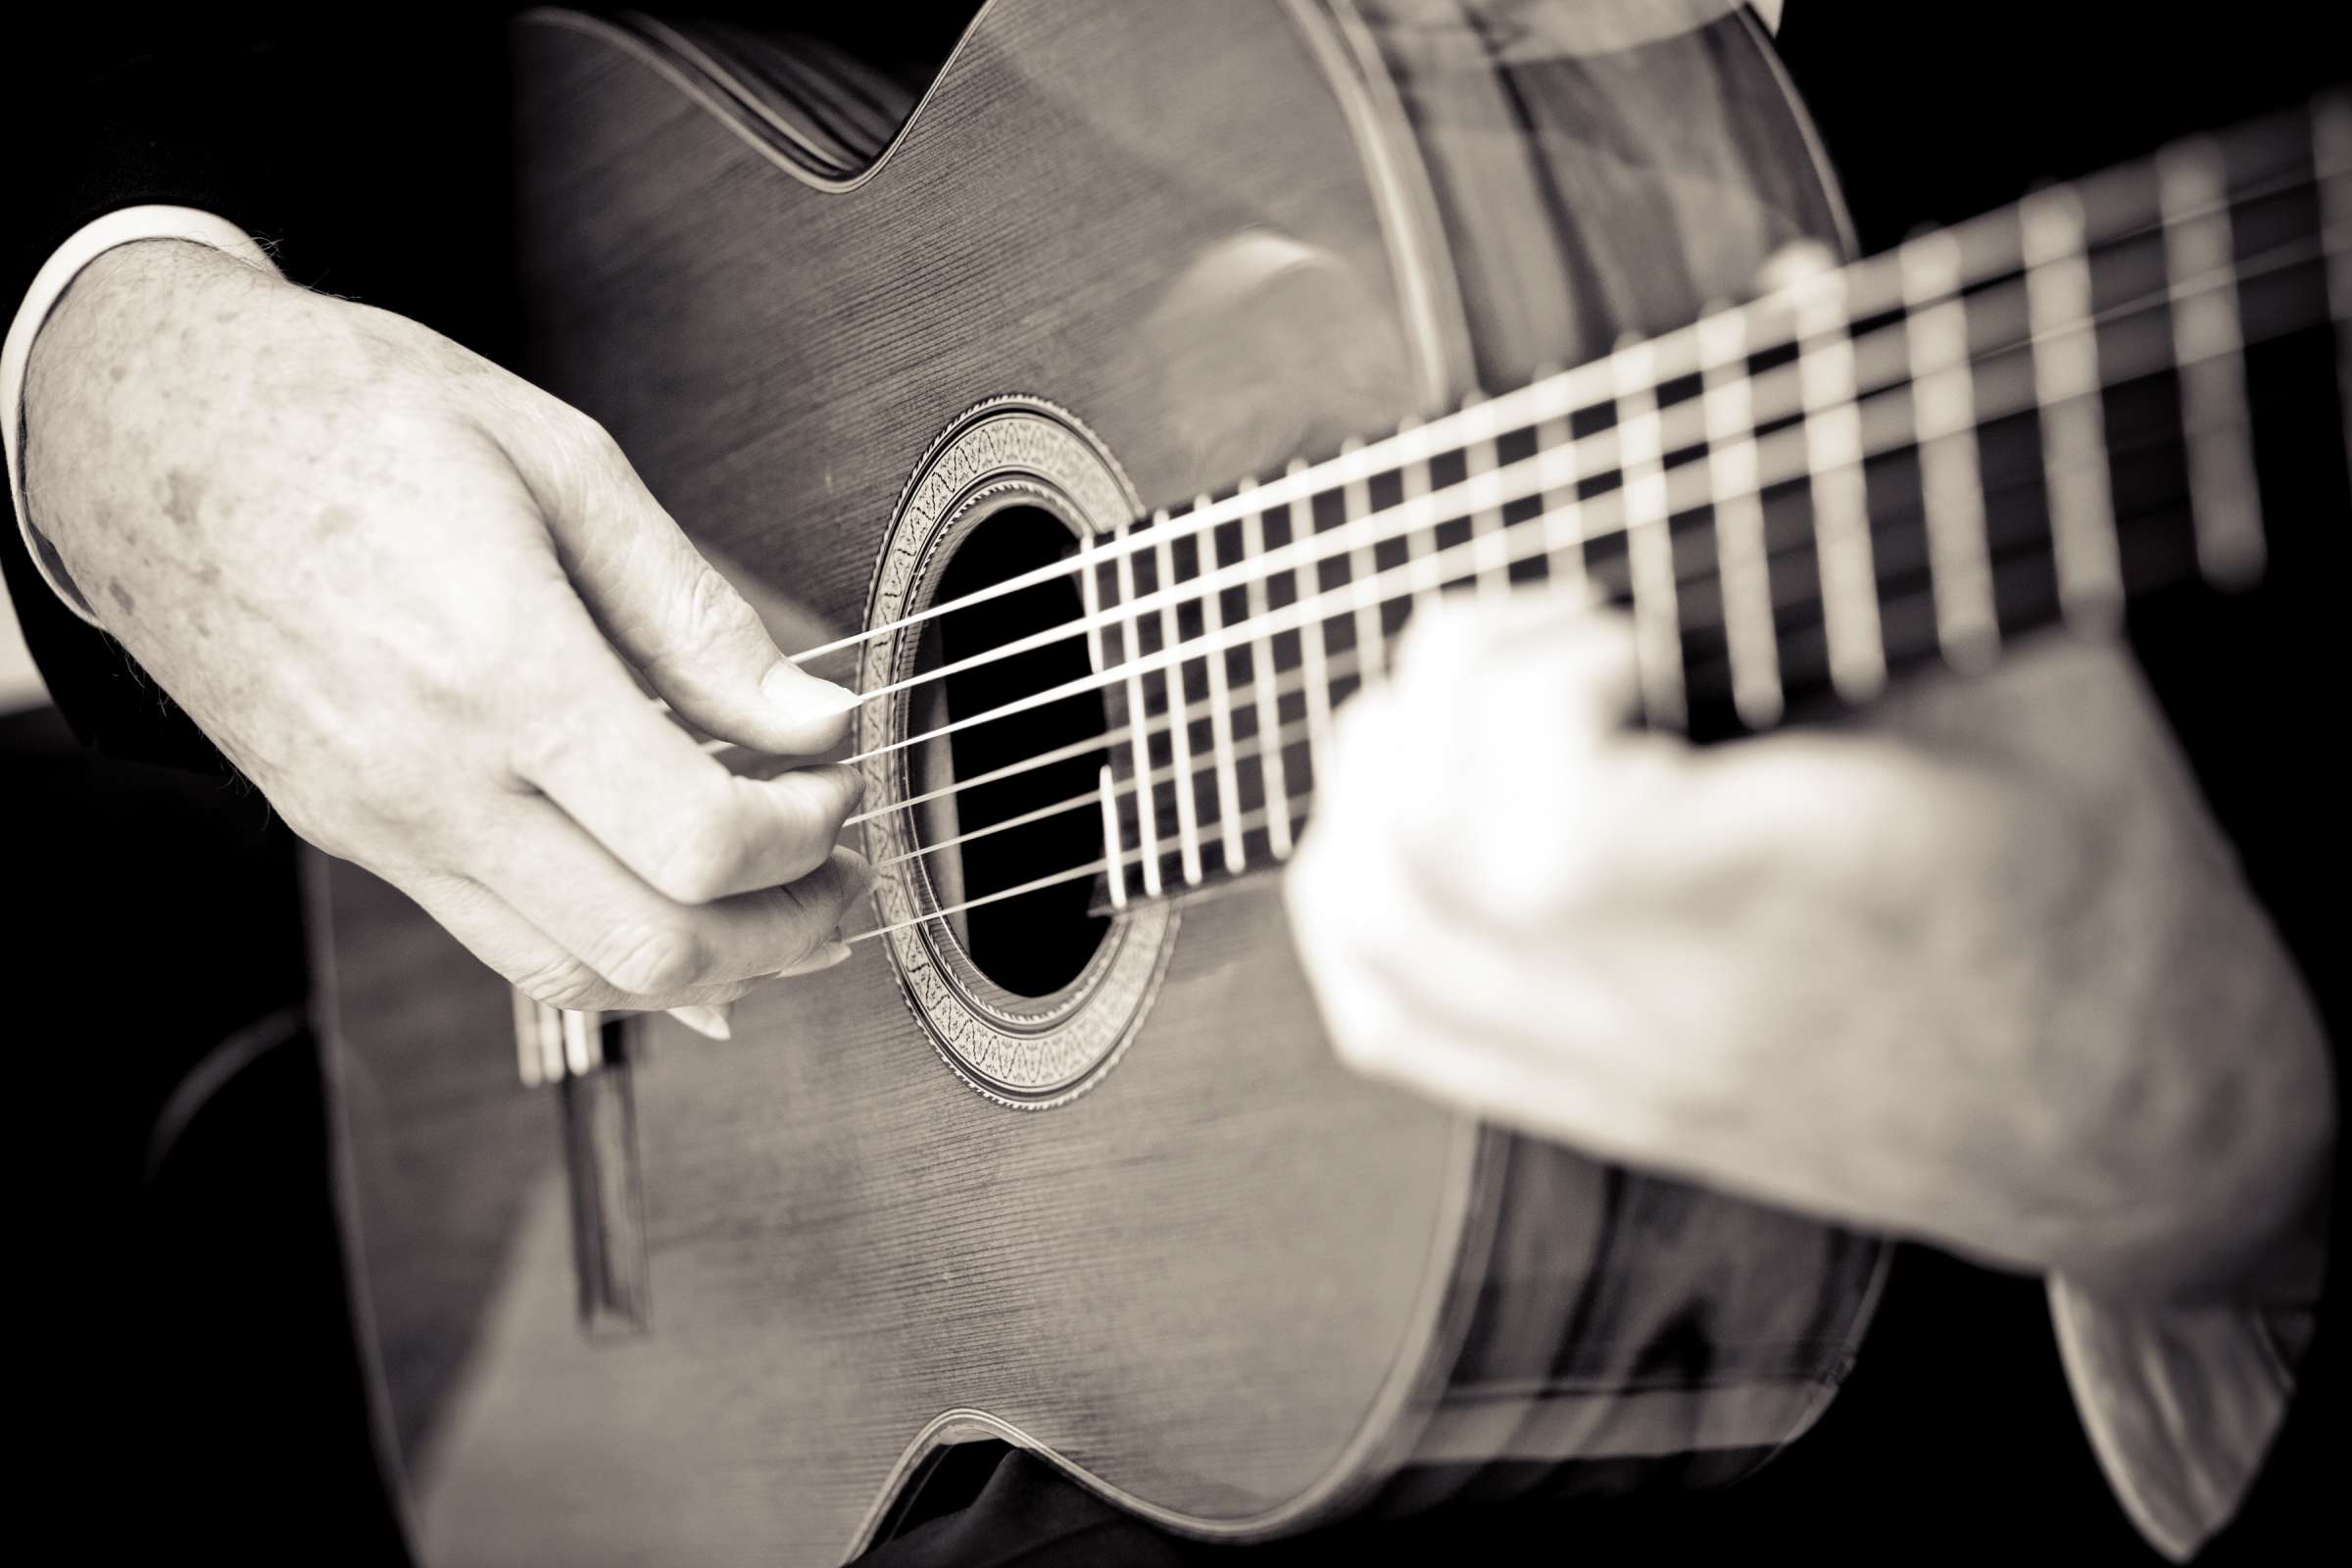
(2024, 419)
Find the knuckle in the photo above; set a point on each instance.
(582, 433)
(600, 442)
(566, 982)
(1368, 1048)
(710, 616)
(806, 828)
(838, 880)
(654, 961)
(548, 743)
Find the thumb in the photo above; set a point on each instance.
(665, 607)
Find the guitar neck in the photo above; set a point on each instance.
(2026, 419)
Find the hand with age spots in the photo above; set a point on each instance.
(403, 591)
(1975, 967)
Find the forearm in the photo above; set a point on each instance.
(2209, 1173)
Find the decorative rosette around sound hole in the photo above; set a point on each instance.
(1027, 993)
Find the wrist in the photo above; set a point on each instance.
(122, 377)
(114, 313)
(2231, 1115)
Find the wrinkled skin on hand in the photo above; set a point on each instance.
(404, 592)
(1975, 967)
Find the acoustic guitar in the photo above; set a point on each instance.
(1112, 406)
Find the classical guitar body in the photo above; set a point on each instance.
(723, 1302)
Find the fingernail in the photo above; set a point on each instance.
(824, 957)
(803, 695)
(709, 1022)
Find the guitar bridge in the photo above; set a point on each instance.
(585, 1057)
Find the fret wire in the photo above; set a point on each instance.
(1604, 514)
(1649, 542)
(1356, 504)
(1090, 602)
(1945, 417)
(1832, 425)
(1416, 576)
(2065, 348)
(1311, 652)
(1251, 818)
(1180, 732)
(1343, 664)
(2225, 504)
(1275, 787)
(2331, 168)
(1481, 458)
(1743, 566)
(1594, 452)
(997, 775)
(1106, 795)
(1563, 552)
(1108, 790)
(1419, 539)
(1138, 743)
(2011, 562)
(1871, 287)
(1289, 733)
(1220, 715)
(1114, 838)
(1543, 471)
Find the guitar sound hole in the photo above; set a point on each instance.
(1034, 942)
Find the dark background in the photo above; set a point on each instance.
(185, 1383)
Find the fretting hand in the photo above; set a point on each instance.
(1975, 967)
(402, 590)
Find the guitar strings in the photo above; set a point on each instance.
(1329, 604)
(2265, 263)
(1256, 817)
(1499, 416)
(1693, 564)
(1780, 388)
(1869, 287)
(1320, 608)
(1296, 805)
(1346, 661)
(1512, 482)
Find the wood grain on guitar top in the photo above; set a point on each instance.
(1229, 1283)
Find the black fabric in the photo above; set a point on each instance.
(1930, 122)
(183, 1374)
(364, 149)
